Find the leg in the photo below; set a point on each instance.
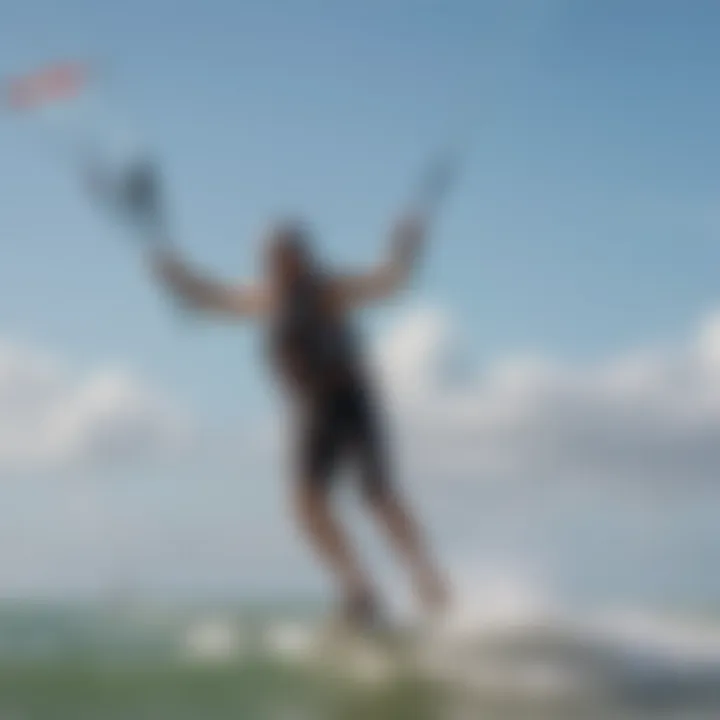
(388, 508)
(404, 534)
(332, 547)
(319, 446)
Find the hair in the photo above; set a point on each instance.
(290, 236)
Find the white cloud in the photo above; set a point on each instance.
(466, 434)
(52, 418)
(649, 414)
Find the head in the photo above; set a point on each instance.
(288, 255)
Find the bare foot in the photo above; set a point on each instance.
(362, 610)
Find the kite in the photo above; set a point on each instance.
(65, 98)
(58, 82)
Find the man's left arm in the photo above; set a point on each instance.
(391, 276)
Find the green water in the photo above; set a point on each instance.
(59, 663)
(84, 663)
(251, 690)
(256, 691)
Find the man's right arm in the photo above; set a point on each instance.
(206, 294)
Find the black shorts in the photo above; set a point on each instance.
(342, 425)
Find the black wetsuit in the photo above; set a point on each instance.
(317, 357)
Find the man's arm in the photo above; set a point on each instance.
(207, 294)
(392, 275)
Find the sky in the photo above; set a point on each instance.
(572, 274)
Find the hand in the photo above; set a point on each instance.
(142, 192)
(409, 235)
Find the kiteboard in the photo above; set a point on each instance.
(346, 653)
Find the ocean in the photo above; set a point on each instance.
(202, 662)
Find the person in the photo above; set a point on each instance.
(336, 407)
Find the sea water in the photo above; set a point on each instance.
(151, 661)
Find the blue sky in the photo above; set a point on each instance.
(585, 223)
(586, 218)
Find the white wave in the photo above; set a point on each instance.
(510, 639)
(544, 650)
(686, 640)
(212, 639)
(290, 639)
